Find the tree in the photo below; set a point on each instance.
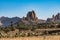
(58, 26)
(11, 23)
(7, 29)
(0, 28)
(12, 27)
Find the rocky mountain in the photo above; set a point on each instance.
(5, 21)
(31, 15)
(55, 18)
(30, 19)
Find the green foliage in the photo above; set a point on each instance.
(0, 28)
(33, 28)
(6, 29)
(58, 25)
(11, 23)
(23, 26)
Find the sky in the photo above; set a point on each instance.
(43, 8)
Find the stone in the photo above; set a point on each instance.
(31, 15)
(55, 18)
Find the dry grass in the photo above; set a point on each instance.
(34, 38)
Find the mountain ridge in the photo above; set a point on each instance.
(31, 18)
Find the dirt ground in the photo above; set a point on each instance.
(34, 38)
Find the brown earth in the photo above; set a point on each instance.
(34, 38)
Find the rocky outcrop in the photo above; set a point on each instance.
(31, 15)
(57, 16)
(32, 19)
(54, 18)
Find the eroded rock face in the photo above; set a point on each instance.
(54, 18)
(32, 19)
(57, 16)
(31, 15)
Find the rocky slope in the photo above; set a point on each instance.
(30, 19)
(5, 21)
(55, 18)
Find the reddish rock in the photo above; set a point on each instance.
(31, 15)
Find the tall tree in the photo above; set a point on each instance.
(12, 27)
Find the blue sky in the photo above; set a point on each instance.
(43, 8)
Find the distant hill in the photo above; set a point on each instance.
(5, 21)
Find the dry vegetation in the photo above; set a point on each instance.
(34, 38)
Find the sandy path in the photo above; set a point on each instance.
(34, 38)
